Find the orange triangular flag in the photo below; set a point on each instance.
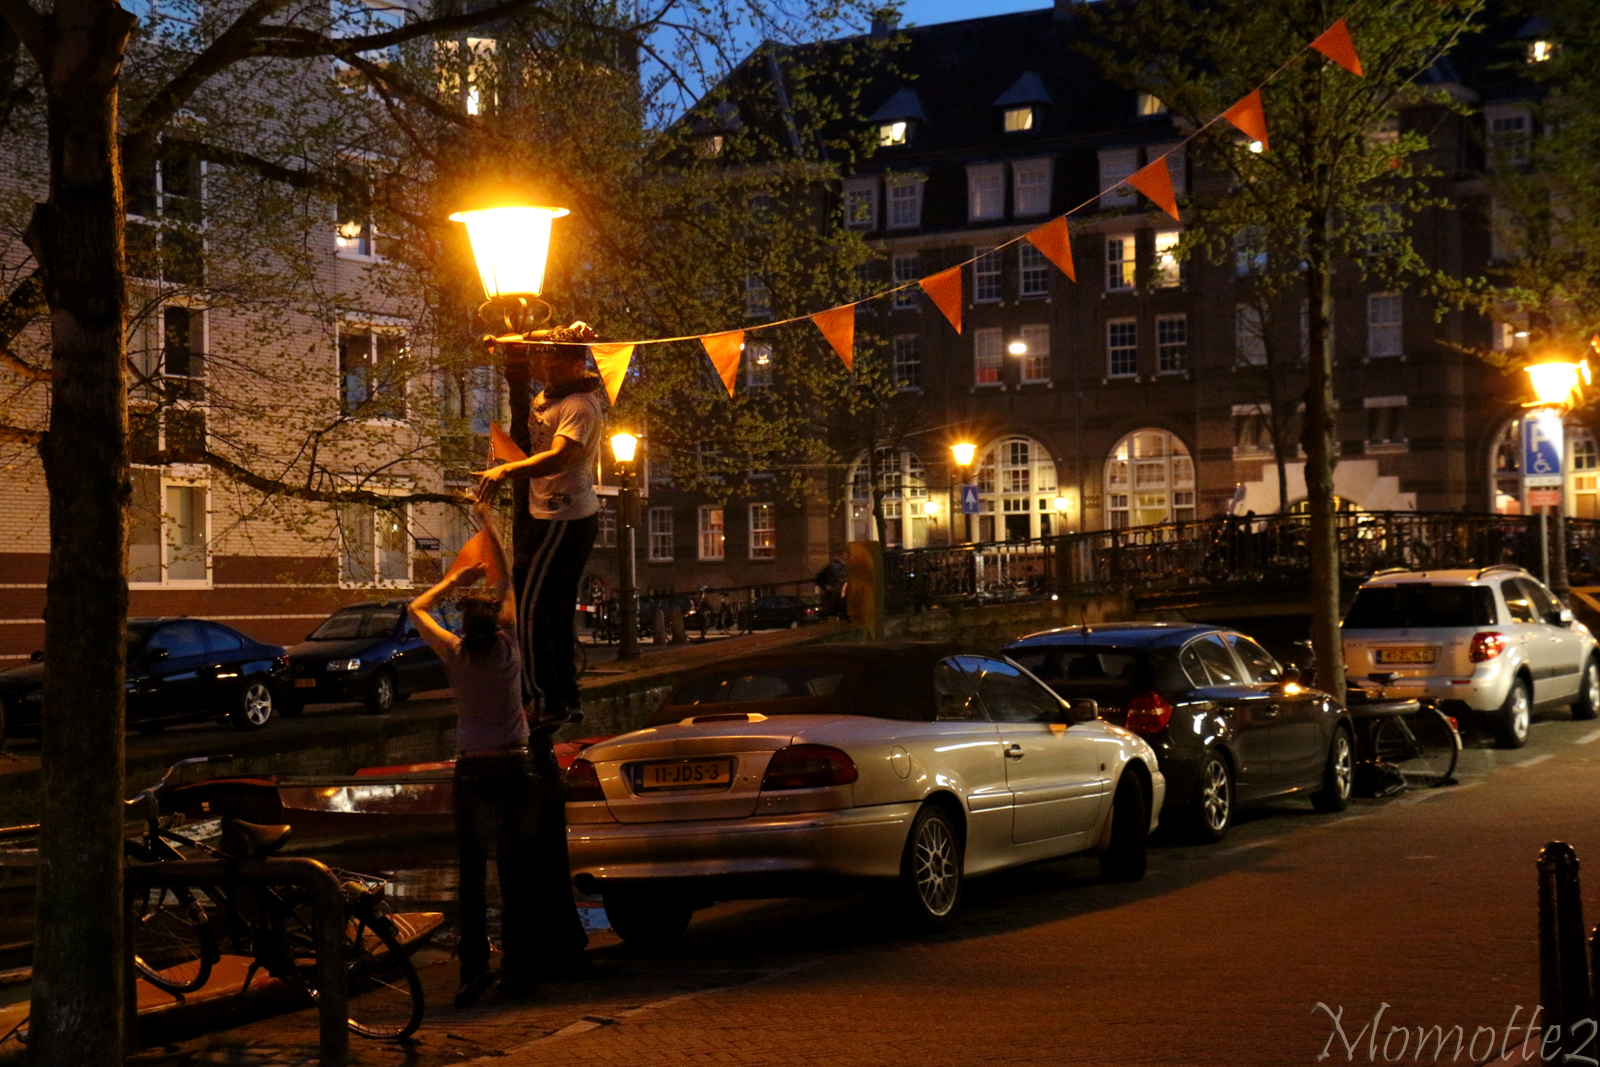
(612, 362)
(502, 449)
(1335, 43)
(724, 350)
(1251, 119)
(944, 289)
(478, 550)
(1155, 181)
(1053, 240)
(838, 325)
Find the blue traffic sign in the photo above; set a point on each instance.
(969, 500)
(1541, 450)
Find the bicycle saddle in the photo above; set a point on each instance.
(250, 841)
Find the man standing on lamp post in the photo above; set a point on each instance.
(564, 426)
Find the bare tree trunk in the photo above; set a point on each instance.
(78, 979)
(1320, 437)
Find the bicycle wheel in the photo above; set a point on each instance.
(1424, 745)
(173, 945)
(386, 1001)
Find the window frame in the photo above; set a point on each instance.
(659, 543)
(1111, 325)
(378, 581)
(374, 328)
(988, 276)
(762, 540)
(866, 191)
(905, 268)
(1165, 346)
(1386, 334)
(1033, 272)
(911, 189)
(1035, 363)
(718, 530)
(165, 480)
(985, 362)
(977, 201)
(1122, 269)
(1024, 207)
(910, 382)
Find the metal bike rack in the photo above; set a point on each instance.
(328, 925)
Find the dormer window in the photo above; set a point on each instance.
(1018, 119)
(1540, 51)
(710, 146)
(1147, 104)
(896, 120)
(893, 133)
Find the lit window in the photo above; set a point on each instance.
(986, 276)
(1120, 262)
(986, 192)
(861, 207)
(1169, 268)
(1033, 270)
(1540, 51)
(1122, 348)
(1384, 337)
(905, 204)
(1018, 119)
(1147, 104)
(763, 531)
(168, 531)
(758, 366)
(710, 146)
(892, 133)
(660, 535)
(1249, 342)
(374, 545)
(988, 356)
(372, 372)
(1172, 344)
(711, 542)
(1030, 192)
(907, 361)
(905, 267)
(1036, 360)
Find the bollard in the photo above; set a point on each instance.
(658, 628)
(1564, 983)
(680, 633)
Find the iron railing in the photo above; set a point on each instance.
(1221, 553)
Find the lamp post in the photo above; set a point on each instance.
(1061, 504)
(1556, 383)
(623, 448)
(510, 237)
(963, 453)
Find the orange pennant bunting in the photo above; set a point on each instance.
(838, 325)
(502, 449)
(944, 289)
(1335, 43)
(724, 350)
(1055, 243)
(478, 550)
(1250, 118)
(1155, 182)
(612, 362)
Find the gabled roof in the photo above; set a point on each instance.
(1028, 89)
(904, 104)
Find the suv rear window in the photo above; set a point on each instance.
(1416, 605)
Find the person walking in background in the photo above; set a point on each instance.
(502, 790)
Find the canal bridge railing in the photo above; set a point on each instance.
(1224, 553)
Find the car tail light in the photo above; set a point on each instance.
(1487, 646)
(583, 782)
(808, 767)
(1148, 714)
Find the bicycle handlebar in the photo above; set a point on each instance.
(162, 784)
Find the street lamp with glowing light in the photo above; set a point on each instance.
(1554, 382)
(963, 453)
(1018, 348)
(510, 236)
(624, 447)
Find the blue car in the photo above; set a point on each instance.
(365, 653)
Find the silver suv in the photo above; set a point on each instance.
(1492, 643)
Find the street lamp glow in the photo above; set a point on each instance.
(930, 507)
(623, 446)
(1018, 348)
(1555, 382)
(1062, 503)
(963, 453)
(511, 245)
(1257, 147)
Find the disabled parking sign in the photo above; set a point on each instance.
(1541, 450)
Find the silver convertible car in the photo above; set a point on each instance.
(907, 766)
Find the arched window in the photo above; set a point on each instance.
(1016, 491)
(1149, 479)
(1582, 496)
(905, 489)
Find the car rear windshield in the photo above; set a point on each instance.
(1415, 605)
(358, 622)
(775, 682)
(1068, 665)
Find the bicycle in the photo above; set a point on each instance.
(176, 941)
(1414, 737)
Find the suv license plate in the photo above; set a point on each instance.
(1407, 655)
(683, 774)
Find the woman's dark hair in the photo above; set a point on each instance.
(480, 624)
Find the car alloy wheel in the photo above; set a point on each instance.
(380, 694)
(931, 871)
(1215, 798)
(1337, 777)
(1587, 705)
(255, 706)
(1511, 726)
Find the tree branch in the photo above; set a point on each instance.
(300, 43)
(21, 306)
(17, 433)
(31, 28)
(276, 487)
(23, 367)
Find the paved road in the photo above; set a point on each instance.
(1425, 902)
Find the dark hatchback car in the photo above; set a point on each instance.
(1230, 727)
(778, 612)
(179, 670)
(366, 653)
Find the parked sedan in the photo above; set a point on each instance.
(908, 766)
(777, 612)
(1229, 725)
(365, 653)
(179, 670)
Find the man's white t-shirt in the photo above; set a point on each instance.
(579, 417)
